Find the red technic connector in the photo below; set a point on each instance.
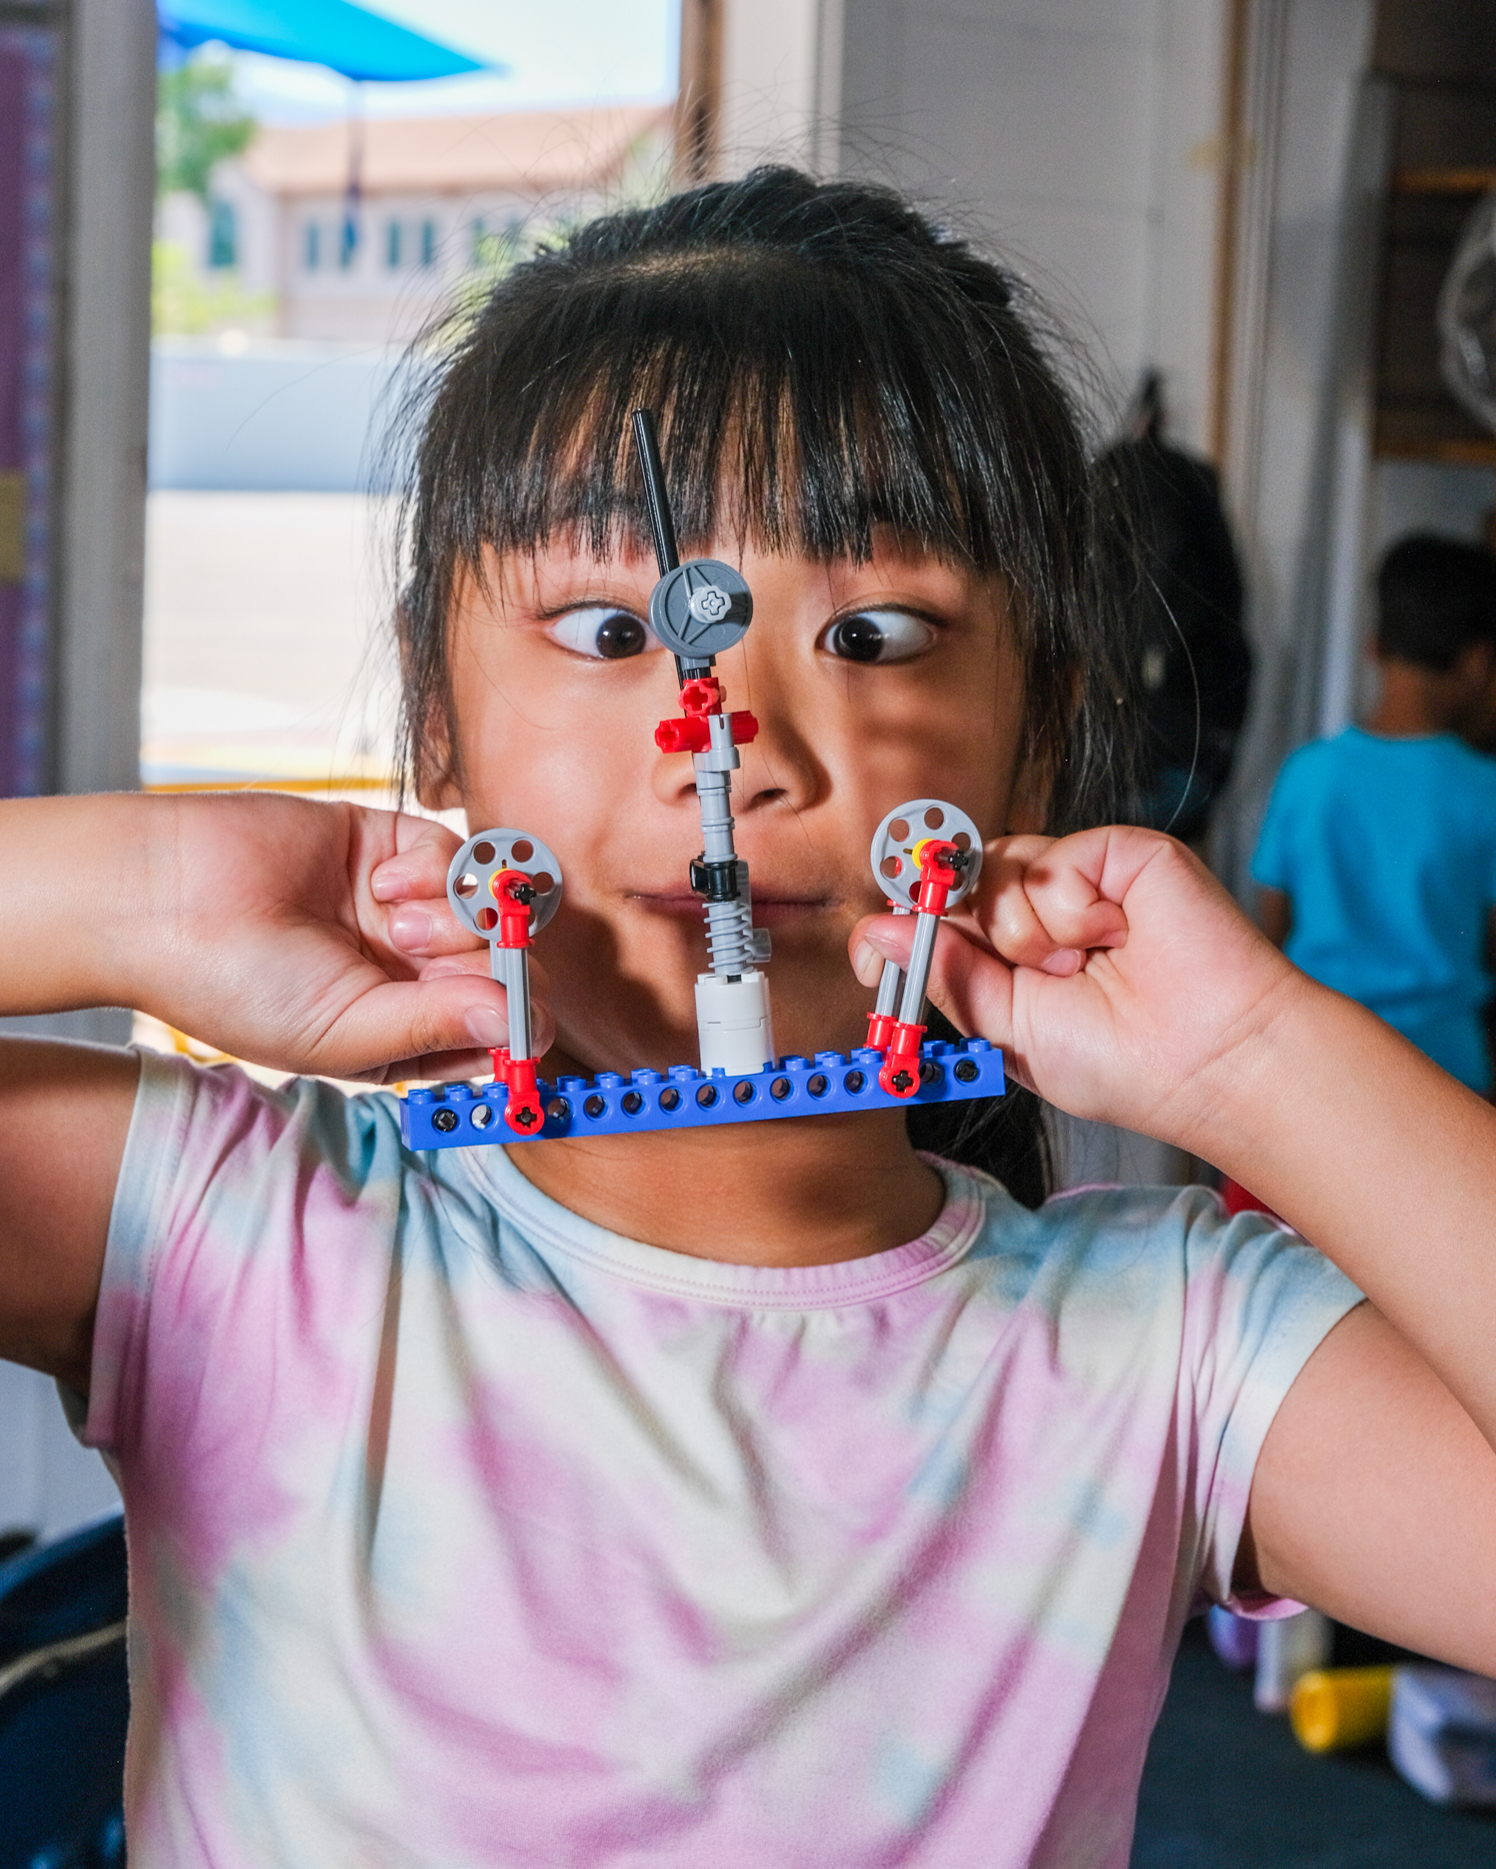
(514, 893)
(522, 1112)
(900, 1073)
(940, 867)
(939, 872)
(693, 735)
(700, 698)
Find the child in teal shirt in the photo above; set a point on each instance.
(1377, 857)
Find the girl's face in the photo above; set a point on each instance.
(871, 684)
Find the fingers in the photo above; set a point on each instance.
(970, 984)
(425, 929)
(413, 883)
(418, 870)
(443, 1026)
(1046, 904)
(1039, 903)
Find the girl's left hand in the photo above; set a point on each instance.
(1119, 978)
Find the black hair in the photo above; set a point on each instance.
(1435, 598)
(822, 359)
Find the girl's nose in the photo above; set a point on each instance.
(782, 765)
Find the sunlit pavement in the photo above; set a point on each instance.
(266, 655)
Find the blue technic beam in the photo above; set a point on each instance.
(460, 1116)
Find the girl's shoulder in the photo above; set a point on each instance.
(1148, 1251)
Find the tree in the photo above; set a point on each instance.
(199, 123)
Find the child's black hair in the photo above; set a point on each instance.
(1435, 598)
(822, 359)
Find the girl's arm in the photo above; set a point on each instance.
(1123, 984)
(302, 936)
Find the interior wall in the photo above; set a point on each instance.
(1298, 461)
(1078, 136)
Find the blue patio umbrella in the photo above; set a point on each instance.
(347, 38)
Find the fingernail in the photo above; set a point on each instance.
(1065, 960)
(487, 1026)
(386, 883)
(867, 963)
(410, 928)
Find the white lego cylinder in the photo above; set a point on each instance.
(733, 1022)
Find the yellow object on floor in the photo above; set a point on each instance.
(1335, 1709)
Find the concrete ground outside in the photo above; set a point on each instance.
(264, 648)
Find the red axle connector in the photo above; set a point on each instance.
(939, 873)
(879, 1030)
(514, 893)
(900, 1073)
(693, 735)
(522, 1112)
(940, 867)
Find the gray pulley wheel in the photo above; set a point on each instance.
(700, 609)
(895, 865)
(480, 860)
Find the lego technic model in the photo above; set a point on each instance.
(505, 885)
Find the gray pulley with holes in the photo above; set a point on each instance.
(700, 609)
(480, 860)
(895, 866)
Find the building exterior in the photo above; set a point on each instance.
(360, 231)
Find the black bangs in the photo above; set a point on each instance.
(822, 361)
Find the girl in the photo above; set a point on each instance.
(773, 1495)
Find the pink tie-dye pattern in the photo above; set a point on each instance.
(463, 1532)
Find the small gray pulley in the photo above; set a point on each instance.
(700, 609)
(896, 841)
(487, 855)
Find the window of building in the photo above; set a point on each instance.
(428, 243)
(348, 240)
(393, 243)
(311, 249)
(223, 234)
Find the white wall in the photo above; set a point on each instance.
(1299, 465)
(1079, 135)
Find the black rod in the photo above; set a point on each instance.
(647, 445)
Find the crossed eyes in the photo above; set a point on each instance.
(603, 633)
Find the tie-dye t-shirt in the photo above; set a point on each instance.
(463, 1531)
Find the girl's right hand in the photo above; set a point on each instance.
(303, 936)
(1117, 975)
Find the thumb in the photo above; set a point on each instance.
(970, 984)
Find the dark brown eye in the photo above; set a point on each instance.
(608, 635)
(879, 636)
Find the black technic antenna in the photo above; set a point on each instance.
(647, 444)
(667, 553)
